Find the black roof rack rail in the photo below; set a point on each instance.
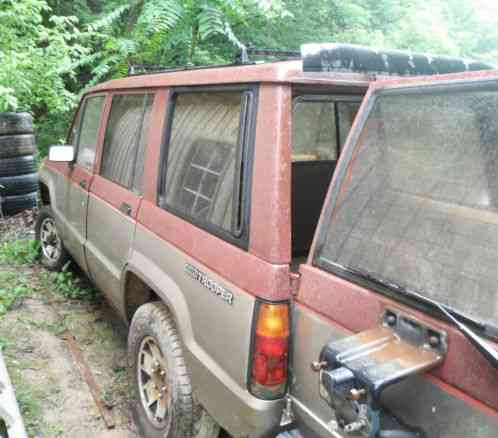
(144, 69)
(242, 59)
(245, 53)
(361, 59)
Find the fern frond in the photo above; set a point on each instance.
(211, 22)
(111, 18)
(160, 16)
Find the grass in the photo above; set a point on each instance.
(68, 284)
(19, 252)
(13, 288)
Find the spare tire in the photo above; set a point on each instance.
(16, 123)
(18, 185)
(15, 204)
(17, 166)
(16, 145)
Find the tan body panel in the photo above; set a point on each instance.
(216, 341)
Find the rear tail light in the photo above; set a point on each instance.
(270, 350)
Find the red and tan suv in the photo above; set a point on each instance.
(191, 199)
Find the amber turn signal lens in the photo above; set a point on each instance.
(270, 352)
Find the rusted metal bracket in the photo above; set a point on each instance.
(89, 379)
(354, 371)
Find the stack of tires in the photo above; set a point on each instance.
(18, 175)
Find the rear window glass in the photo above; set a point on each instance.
(320, 125)
(204, 162)
(419, 205)
(125, 139)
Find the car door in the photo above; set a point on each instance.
(117, 189)
(86, 134)
(401, 229)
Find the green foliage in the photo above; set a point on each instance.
(13, 289)
(19, 252)
(52, 51)
(69, 285)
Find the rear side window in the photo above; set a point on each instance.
(125, 139)
(320, 125)
(89, 131)
(205, 158)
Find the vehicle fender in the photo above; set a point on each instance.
(164, 287)
(46, 177)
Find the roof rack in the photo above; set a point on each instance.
(242, 59)
(245, 52)
(362, 59)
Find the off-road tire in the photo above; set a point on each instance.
(187, 418)
(15, 123)
(17, 145)
(17, 166)
(52, 265)
(15, 204)
(18, 185)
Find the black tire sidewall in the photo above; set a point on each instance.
(148, 322)
(17, 166)
(17, 145)
(16, 123)
(46, 212)
(12, 205)
(18, 184)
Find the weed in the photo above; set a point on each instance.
(69, 285)
(13, 289)
(29, 398)
(57, 329)
(19, 252)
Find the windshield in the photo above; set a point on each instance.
(418, 205)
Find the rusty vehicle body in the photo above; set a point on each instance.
(250, 281)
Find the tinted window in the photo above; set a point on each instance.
(125, 139)
(420, 207)
(204, 158)
(315, 134)
(89, 131)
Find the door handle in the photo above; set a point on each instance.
(125, 208)
(83, 184)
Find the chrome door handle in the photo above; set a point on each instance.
(125, 208)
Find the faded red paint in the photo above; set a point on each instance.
(239, 267)
(115, 195)
(270, 204)
(153, 149)
(279, 72)
(357, 309)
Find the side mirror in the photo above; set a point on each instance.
(63, 154)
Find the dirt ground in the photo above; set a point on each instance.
(54, 398)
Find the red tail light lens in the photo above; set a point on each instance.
(270, 351)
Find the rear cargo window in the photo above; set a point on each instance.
(89, 132)
(418, 206)
(125, 139)
(205, 158)
(320, 125)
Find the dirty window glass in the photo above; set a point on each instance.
(419, 207)
(125, 139)
(315, 134)
(203, 164)
(89, 131)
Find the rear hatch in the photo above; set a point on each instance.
(405, 256)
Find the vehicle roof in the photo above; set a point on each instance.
(417, 81)
(271, 72)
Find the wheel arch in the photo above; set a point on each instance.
(143, 282)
